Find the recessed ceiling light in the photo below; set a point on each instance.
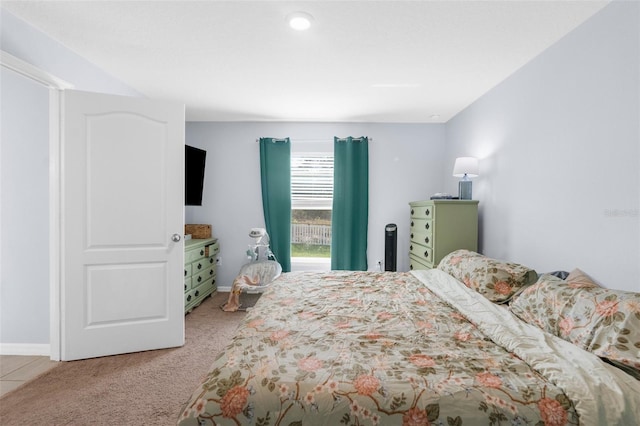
(299, 21)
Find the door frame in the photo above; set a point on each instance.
(55, 86)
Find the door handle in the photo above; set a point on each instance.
(175, 238)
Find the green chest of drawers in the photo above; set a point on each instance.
(439, 227)
(199, 270)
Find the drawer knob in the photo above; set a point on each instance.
(199, 265)
(412, 212)
(427, 226)
(199, 279)
(210, 271)
(189, 298)
(426, 240)
(197, 293)
(411, 238)
(411, 247)
(426, 254)
(426, 212)
(201, 252)
(412, 224)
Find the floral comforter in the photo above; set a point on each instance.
(373, 348)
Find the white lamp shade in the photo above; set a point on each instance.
(465, 166)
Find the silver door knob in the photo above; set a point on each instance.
(175, 238)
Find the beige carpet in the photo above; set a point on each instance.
(145, 388)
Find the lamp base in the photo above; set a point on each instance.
(464, 189)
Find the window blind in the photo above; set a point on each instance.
(311, 180)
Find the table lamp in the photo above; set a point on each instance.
(465, 167)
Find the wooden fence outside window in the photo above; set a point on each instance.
(304, 233)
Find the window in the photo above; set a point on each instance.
(311, 180)
(311, 202)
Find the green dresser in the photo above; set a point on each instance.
(199, 270)
(439, 227)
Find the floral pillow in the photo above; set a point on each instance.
(602, 321)
(496, 280)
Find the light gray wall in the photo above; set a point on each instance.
(404, 165)
(24, 232)
(24, 212)
(31, 45)
(558, 143)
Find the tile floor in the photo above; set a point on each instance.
(16, 370)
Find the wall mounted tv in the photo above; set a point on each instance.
(194, 162)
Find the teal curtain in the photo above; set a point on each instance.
(275, 173)
(349, 220)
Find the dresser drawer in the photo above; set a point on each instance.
(187, 284)
(187, 270)
(212, 250)
(421, 225)
(424, 238)
(202, 276)
(205, 288)
(422, 231)
(195, 295)
(188, 297)
(202, 264)
(423, 212)
(422, 253)
(211, 285)
(193, 255)
(416, 263)
(199, 290)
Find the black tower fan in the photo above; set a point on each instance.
(390, 246)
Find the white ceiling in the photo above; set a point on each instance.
(367, 61)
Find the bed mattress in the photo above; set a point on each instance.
(399, 348)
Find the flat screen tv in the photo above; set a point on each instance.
(194, 162)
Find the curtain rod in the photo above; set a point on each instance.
(315, 140)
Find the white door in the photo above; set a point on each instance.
(122, 181)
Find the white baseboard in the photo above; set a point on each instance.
(42, 349)
(226, 289)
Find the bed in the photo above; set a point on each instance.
(440, 346)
